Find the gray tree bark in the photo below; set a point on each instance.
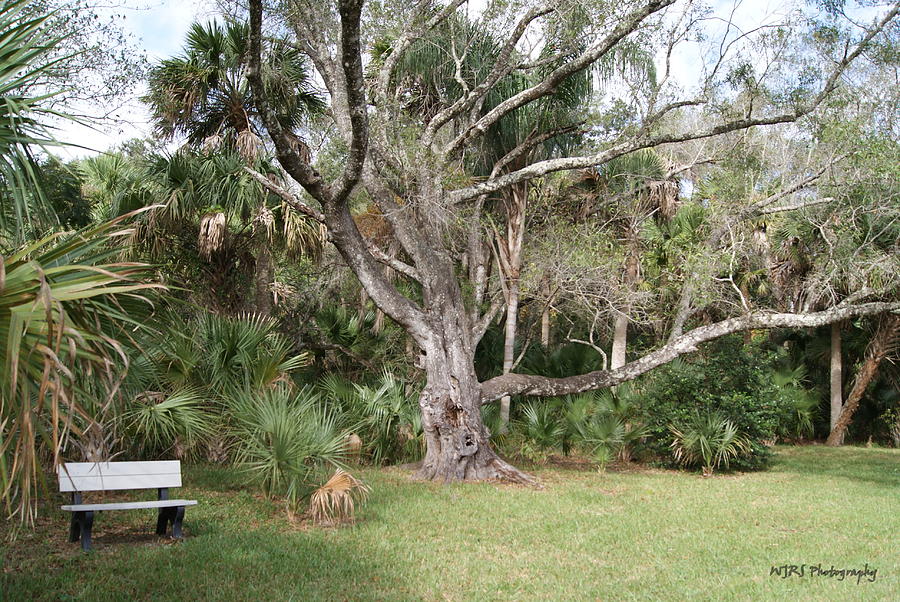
(882, 344)
(510, 260)
(837, 395)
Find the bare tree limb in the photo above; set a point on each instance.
(521, 384)
(625, 26)
(286, 196)
(542, 168)
(502, 67)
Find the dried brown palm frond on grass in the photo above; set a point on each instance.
(335, 501)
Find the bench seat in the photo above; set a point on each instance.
(128, 505)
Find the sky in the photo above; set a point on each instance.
(159, 27)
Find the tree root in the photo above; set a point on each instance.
(494, 469)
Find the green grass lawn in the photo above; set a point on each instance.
(641, 534)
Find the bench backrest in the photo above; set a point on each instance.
(109, 476)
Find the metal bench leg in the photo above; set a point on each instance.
(74, 528)
(85, 522)
(162, 521)
(178, 516)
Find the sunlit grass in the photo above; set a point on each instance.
(643, 534)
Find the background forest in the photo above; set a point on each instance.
(181, 296)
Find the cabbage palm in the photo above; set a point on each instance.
(208, 198)
(204, 95)
(204, 92)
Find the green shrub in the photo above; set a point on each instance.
(801, 404)
(384, 414)
(160, 424)
(729, 378)
(709, 440)
(284, 438)
(541, 425)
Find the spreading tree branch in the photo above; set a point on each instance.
(531, 385)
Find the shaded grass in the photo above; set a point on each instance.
(618, 535)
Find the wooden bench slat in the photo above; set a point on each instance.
(128, 505)
(110, 476)
(123, 468)
(114, 483)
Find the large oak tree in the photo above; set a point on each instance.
(413, 165)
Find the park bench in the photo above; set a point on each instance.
(80, 477)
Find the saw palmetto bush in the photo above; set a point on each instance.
(708, 440)
(335, 502)
(800, 404)
(221, 354)
(284, 438)
(176, 423)
(384, 414)
(194, 366)
(540, 424)
(605, 424)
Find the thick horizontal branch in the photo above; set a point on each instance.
(522, 384)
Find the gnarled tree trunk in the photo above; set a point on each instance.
(457, 441)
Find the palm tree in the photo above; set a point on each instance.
(63, 301)
(209, 211)
(631, 193)
(204, 95)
